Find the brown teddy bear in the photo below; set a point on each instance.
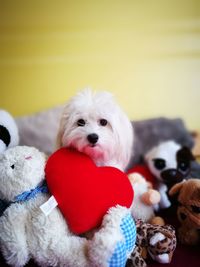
(188, 210)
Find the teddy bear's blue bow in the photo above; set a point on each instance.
(25, 196)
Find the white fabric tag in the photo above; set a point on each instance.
(49, 205)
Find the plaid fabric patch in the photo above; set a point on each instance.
(129, 231)
(119, 256)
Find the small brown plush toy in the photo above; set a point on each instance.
(188, 211)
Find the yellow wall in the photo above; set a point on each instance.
(147, 52)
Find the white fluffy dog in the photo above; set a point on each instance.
(94, 124)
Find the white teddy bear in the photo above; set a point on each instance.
(26, 232)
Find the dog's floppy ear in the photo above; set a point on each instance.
(60, 131)
(176, 188)
(62, 124)
(58, 138)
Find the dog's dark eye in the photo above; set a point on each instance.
(159, 164)
(12, 166)
(195, 209)
(81, 122)
(183, 166)
(103, 122)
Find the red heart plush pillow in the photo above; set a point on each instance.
(85, 192)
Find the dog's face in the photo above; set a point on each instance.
(169, 162)
(95, 125)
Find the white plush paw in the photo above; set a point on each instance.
(17, 259)
(156, 238)
(163, 258)
(164, 201)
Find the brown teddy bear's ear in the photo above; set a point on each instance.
(176, 188)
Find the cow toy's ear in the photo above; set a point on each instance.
(185, 154)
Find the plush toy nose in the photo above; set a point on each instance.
(92, 138)
(172, 176)
(172, 172)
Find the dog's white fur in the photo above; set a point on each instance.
(114, 146)
(26, 232)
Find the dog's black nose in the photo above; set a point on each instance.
(92, 138)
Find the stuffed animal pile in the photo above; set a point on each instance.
(94, 230)
(26, 232)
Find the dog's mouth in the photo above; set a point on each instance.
(93, 145)
(93, 150)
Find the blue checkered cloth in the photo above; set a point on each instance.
(129, 231)
(126, 246)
